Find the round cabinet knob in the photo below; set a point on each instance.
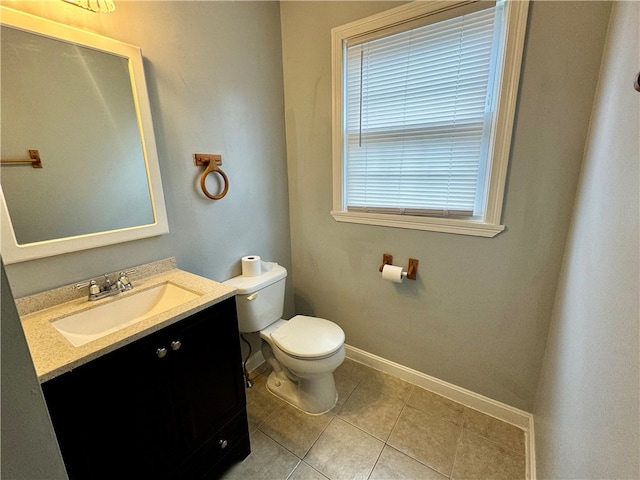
(161, 352)
(223, 444)
(175, 345)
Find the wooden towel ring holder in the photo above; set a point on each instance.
(212, 162)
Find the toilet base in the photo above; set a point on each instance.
(314, 397)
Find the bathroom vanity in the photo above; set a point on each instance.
(163, 398)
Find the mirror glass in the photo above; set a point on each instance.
(80, 100)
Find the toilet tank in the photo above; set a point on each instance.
(259, 299)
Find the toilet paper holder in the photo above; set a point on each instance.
(412, 269)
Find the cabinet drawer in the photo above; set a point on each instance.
(229, 443)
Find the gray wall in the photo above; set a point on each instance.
(587, 409)
(478, 314)
(29, 448)
(214, 73)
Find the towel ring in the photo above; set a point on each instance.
(212, 163)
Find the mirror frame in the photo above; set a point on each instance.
(12, 251)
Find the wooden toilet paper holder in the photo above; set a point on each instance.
(412, 269)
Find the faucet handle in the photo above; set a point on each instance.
(123, 280)
(93, 286)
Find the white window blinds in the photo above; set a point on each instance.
(418, 117)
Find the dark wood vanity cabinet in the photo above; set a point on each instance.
(170, 405)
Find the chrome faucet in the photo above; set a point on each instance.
(108, 287)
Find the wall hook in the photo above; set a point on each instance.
(212, 162)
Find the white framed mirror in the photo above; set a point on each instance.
(81, 101)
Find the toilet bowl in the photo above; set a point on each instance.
(303, 352)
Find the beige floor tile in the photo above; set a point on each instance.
(262, 369)
(294, 429)
(426, 438)
(387, 384)
(344, 452)
(437, 405)
(480, 458)
(432, 436)
(266, 460)
(352, 369)
(393, 464)
(373, 412)
(503, 433)
(260, 403)
(345, 387)
(305, 472)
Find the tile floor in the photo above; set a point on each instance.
(381, 428)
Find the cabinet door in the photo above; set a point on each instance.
(207, 373)
(112, 416)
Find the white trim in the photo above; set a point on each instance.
(488, 406)
(255, 361)
(434, 224)
(516, 13)
(515, 27)
(530, 445)
(397, 16)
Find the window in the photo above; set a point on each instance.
(424, 98)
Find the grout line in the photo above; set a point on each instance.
(414, 457)
(375, 464)
(293, 469)
(395, 425)
(318, 438)
(455, 455)
(494, 442)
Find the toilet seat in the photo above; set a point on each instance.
(308, 337)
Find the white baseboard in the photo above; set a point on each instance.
(501, 411)
(506, 413)
(255, 361)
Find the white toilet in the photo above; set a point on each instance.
(303, 351)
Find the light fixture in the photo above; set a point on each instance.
(101, 6)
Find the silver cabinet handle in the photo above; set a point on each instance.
(223, 444)
(161, 352)
(175, 345)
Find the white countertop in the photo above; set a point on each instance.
(53, 355)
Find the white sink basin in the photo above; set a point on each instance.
(88, 325)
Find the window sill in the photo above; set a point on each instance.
(444, 225)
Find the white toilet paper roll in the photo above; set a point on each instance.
(251, 266)
(392, 273)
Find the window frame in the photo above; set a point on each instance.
(513, 36)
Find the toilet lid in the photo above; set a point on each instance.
(307, 337)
